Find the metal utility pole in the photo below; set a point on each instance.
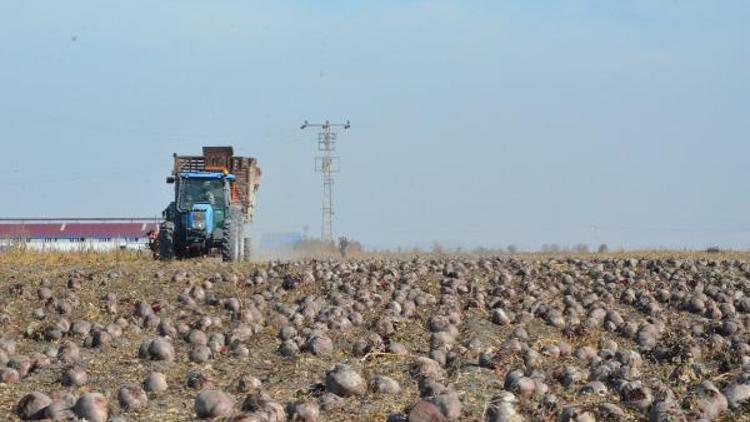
(327, 164)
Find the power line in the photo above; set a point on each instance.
(327, 164)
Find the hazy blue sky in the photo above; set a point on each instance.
(473, 123)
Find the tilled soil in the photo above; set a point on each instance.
(660, 337)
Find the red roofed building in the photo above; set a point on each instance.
(77, 234)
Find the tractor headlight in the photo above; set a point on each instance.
(199, 220)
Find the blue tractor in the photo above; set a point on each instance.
(214, 201)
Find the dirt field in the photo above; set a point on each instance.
(530, 337)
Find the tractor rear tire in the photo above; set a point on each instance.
(166, 241)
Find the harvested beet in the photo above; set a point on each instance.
(213, 404)
(32, 406)
(131, 397)
(93, 407)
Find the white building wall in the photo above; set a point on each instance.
(67, 245)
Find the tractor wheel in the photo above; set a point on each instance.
(229, 242)
(231, 236)
(166, 241)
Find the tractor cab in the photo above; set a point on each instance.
(204, 198)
